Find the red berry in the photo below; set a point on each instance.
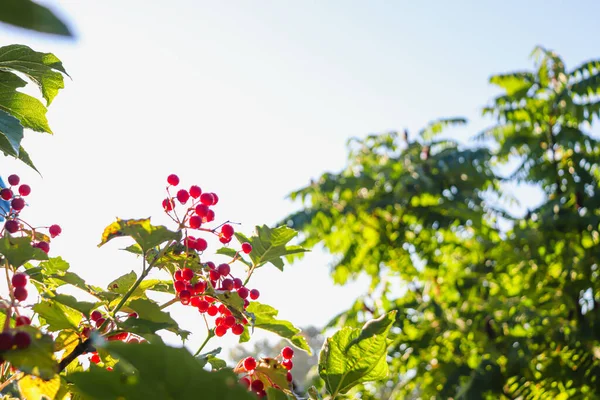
(237, 329)
(224, 269)
(173, 180)
(288, 364)
(215, 198)
(86, 332)
(95, 358)
(246, 303)
(246, 247)
(96, 315)
(187, 274)
(250, 364)
(214, 275)
(227, 230)
(227, 284)
(168, 204)
(261, 394)
(243, 292)
(201, 244)
(22, 340)
(287, 353)
(133, 315)
(178, 275)
(183, 196)
(185, 296)
(11, 226)
(20, 293)
(225, 240)
(6, 194)
(6, 341)
(23, 320)
(210, 265)
(212, 310)
(245, 381)
(210, 216)
(207, 199)
(44, 246)
(220, 330)
(229, 321)
(195, 301)
(237, 283)
(195, 222)
(202, 210)
(18, 204)
(254, 294)
(133, 340)
(257, 385)
(179, 286)
(13, 180)
(289, 377)
(19, 280)
(24, 190)
(99, 322)
(203, 306)
(199, 287)
(224, 310)
(109, 368)
(195, 191)
(54, 230)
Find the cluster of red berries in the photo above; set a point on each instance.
(257, 382)
(13, 222)
(10, 340)
(192, 287)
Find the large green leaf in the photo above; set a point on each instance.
(123, 283)
(156, 371)
(151, 319)
(18, 250)
(11, 134)
(146, 235)
(38, 358)
(31, 15)
(270, 245)
(57, 316)
(265, 318)
(352, 356)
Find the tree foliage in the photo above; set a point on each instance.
(490, 304)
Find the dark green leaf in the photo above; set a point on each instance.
(146, 235)
(30, 15)
(18, 250)
(270, 245)
(38, 358)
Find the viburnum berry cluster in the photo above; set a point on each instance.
(15, 226)
(260, 375)
(15, 195)
(194, 287)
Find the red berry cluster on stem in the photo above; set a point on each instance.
(256, 380)
(197, 288)
(14, 224)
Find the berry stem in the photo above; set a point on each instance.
(7, 382)
(12, 298)
(250, 272)
(169, 303)
(211, 333)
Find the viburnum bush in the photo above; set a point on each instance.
(64, 338)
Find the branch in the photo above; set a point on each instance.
(81, 348)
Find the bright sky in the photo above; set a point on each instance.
(252, 99)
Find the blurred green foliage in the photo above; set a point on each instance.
(489, 304)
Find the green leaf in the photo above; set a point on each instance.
(84, 307)
(203, 358)
(436, 127)
(54, 265)
(123, 283)
(38, 358)
(45, 69)
(151, 319)
(313, 393)
(146, 235)
(353, 356)
(269, 245)
(30, 15)
(11, 134)
(276, 394)
(265, 319)
(57, 316)
(18, 250)
(32, 387)
(160, 372)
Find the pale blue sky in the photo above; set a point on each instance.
(251, 99)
